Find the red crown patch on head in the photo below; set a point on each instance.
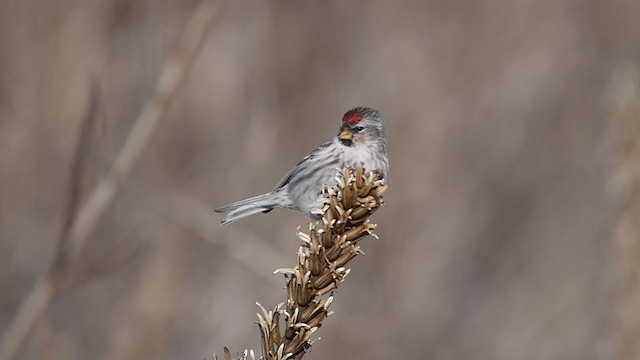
(352, 117)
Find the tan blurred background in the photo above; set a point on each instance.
(512, 225)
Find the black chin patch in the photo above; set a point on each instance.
(346, 142)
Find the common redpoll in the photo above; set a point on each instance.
(362, 140)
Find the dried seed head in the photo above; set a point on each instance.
(321, 264)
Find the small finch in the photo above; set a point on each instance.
(362, 140)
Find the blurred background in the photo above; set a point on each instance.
(512, 226)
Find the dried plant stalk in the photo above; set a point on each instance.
(327, 249)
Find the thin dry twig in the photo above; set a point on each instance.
(76, 233)
(78, 164)
(286, 331)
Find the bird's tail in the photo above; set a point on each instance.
(261, 203)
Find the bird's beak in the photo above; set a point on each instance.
(345, 134)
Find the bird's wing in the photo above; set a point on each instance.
(285, 180)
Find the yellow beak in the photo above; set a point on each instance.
(345, 134)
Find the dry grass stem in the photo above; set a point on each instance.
(287, 330)
(77, 230)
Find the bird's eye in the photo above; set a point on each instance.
(358, 128)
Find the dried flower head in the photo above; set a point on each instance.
(320, 269)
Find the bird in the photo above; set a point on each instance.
(361, 141)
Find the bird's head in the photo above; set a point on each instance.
(361, 125)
